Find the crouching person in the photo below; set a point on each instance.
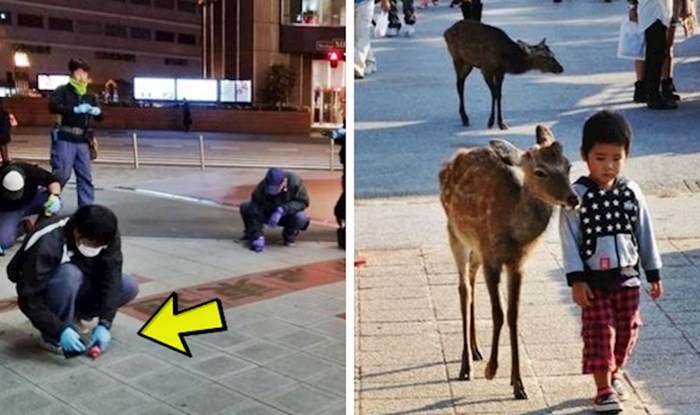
(280, 199)
(25, 190)
(71, 270)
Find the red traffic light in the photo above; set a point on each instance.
(333, 58)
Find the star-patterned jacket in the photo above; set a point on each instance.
(608, 236)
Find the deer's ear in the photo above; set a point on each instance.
(507, 152)
(545, 137)
(543, 43)
(524, 46)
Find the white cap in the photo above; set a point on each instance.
(13, 181)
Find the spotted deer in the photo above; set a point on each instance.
(498, 201)
(475, 45)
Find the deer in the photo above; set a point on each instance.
(475, 45)
(498, 201)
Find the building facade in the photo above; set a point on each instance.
(225, 39)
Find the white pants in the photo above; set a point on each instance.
(363, 25)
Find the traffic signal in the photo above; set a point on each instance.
(333, 58)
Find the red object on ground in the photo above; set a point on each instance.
(94, 352)
(360, 262)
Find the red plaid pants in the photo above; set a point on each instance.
(610, 329)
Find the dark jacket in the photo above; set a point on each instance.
(62, 102)
(5, 127)
(294, 199)
(41, 253)
(34, 178)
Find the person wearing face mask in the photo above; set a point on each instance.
(25, 190)
(71, 270)
(279, 199)
(71, 140)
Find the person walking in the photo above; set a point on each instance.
(364, 60)
(654, 18)
(606, 242)
(6, 124)
(186, 116)
(70, 148)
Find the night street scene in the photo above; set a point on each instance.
(561, 149)
(172, 209)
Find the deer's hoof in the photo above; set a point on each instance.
(502, 126)
(476, 355)
(464, 375)
(520, 393)
(490, 371)
(465, 122)
(490, 124)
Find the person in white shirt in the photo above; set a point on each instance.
(654, 17)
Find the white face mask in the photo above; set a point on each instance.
(88, 251)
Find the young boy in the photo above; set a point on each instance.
(604, 242)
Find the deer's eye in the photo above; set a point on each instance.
(539, 173)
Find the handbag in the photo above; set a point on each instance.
(92, 144)
(381, 24)
(632, 44)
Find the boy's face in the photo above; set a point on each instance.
(605, 163)
(81, 75)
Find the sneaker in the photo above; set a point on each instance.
(607, 402)
(408, 31)
(370, 68)
(392, 32)
(50, 346)
(359, 74)
(620, 389)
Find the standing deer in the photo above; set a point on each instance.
(476, 45)
(498, 201)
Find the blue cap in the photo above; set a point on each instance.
(273, 180)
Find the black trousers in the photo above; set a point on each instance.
(655, 36)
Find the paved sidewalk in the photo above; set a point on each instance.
(408, 326)
(283, 352)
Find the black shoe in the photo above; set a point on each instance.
(668, 90)
(660, 103)
(639, 95)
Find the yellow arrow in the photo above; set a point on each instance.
(168, 327)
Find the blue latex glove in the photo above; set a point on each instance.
(275, 217)
(53, 205)
(95, 111)
(100, 336)
(70, 341)
(258, 244)
(82, 108)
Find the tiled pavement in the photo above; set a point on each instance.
(408, 326)
(283, 352)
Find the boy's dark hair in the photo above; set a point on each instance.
(605, 127)
(95, 222)
(77, 63)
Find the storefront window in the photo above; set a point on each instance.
(328, 89)
(314, 12)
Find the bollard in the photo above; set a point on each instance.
(201, 152)
(135, 144)
(330, 160)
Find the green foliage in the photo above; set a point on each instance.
(280, 84)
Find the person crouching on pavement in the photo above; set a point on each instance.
(25, 190)
(71, 270)
(280, 199)
(69, 143)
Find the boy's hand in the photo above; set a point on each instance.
(657, 290)
(581, 294)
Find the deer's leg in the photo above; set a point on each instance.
(474, 264)
(515, 277)
(488, 77)
(462, 70)
(498, 81)
(459, 251)
(492, 274)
